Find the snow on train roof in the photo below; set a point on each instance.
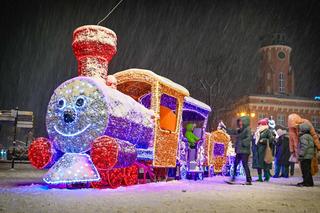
(157, 77)
(197, 103)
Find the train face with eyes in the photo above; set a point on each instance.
(102, 128)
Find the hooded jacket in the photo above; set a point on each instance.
(306, 147)
(294, 121)
(243, 136)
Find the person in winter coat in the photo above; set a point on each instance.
(272, 127)
(294, 121)
(282, 154)
(306, 150)
(263, 138)
(242, 146)
(192, 138)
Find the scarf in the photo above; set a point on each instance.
(258, 132)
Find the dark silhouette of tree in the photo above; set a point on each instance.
(214, 82)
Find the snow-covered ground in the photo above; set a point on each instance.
(23, 191)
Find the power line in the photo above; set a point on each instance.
(115, 7)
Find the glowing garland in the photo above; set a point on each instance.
(73, 134)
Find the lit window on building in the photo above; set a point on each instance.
(281, 83)
(281, 120)
(315, 120)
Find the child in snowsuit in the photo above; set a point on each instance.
(306, 150)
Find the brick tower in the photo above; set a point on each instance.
(275, 95)
(276, 77)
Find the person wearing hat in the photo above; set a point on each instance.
(282, 155)
(272, 127)
(262, 138)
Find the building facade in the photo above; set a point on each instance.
(276, 89)
(262, 106)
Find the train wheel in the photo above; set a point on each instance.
(131, 175)
(183, 172)
(200, 176)
(115, 178)
(99, 185)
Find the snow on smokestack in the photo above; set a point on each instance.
(94, 47)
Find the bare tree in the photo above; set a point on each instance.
(214, 82)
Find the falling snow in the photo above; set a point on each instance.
(183, 41)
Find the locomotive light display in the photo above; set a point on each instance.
(102, 129)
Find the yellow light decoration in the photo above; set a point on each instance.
(137, 82)
(206, 148)
(218, 137)
(252, 114)
(242, 114)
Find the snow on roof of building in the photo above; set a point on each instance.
(197, 103)
(155, 76)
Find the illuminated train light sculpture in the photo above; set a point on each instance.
(103, 128)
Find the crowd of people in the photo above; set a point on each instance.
(299, 144)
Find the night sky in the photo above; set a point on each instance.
(183, 40)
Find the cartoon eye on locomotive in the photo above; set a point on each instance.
(102, 129)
